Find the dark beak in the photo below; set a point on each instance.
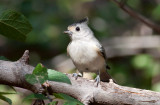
(68, 32)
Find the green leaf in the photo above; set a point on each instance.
(35, 96)
(63, 96)
(30, 78)
(53, 103)
(8, 92)
(57, 76)
(14, 25)
(68, 99)
(9, 101)
(39, 69)
(39, 75)
(12, 88)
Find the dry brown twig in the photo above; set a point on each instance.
(138, 16)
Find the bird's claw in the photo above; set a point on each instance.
(76, 75)
(97, 80)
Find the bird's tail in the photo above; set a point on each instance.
(105, 76)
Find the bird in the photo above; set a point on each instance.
(86, 52)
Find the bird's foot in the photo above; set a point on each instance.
(97, 80)
(76, 75)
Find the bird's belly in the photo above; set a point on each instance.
(86, 58)
(90, 65)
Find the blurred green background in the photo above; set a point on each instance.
(133, 49)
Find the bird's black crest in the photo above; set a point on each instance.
(83, 20)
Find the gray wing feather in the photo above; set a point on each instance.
(102, 51)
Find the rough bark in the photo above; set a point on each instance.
(12, 73)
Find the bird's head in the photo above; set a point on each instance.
(79, 30)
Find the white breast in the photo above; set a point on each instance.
(84, 55)
(82, 51)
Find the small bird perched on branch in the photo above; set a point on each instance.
(86, 52)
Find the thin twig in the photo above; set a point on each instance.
(138, 16)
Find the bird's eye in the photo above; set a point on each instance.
(77, 29)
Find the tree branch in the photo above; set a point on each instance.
(12, 73)
(138, 16)
(132, 45)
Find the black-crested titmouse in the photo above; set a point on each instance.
(86, 52)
